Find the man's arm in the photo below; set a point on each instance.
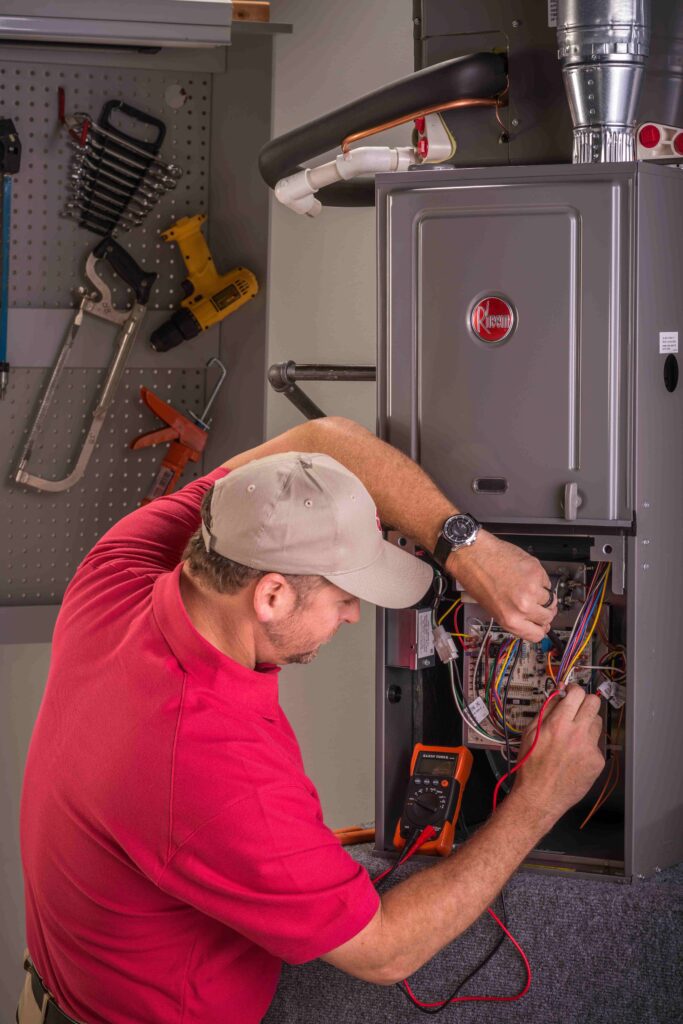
(423, 914)
(508, 583)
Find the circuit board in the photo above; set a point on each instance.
(528, 686)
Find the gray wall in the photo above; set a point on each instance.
(23, 671)
(323, 309)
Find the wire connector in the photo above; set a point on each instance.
(444, 645)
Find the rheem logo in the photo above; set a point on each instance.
(492, 319)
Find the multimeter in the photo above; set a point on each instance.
(437, 781)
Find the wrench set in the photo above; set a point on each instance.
(117, 177)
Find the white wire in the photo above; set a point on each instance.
(481, 651)
(473, 724)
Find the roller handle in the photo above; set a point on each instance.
(134, 114)
(123, 264)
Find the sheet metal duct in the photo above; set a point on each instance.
(603, 46)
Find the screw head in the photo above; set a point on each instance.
(515, 122)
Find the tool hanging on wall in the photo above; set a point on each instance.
(117, 177)
(10, 159)
(188, 437)
(95, 299)
(209, 296)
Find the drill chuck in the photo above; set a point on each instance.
(180, 327)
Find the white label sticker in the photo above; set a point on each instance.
(425, 637)
(478, 709)
(552, 13)
(668, 342)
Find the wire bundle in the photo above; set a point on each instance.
(585, 624)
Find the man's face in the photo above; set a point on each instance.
(312, 621)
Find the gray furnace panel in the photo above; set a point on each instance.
(514, 421)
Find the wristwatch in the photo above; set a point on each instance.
(458, 531)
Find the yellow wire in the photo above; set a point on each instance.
(592, 630)
(448, 611)
(464, 636)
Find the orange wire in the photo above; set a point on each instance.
(550, 669)
(606, 792)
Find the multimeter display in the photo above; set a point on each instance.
(435, 764)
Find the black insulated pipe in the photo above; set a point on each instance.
(477, 76)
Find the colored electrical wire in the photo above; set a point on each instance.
(613, 775)
(449, 610)
(416, 839)
(518, 765)
(436, 1007)
(411, 848)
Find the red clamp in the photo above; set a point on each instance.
(188, 441)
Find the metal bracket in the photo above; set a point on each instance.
(282, 377)
(611, 548)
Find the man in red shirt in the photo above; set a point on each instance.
(174, 850)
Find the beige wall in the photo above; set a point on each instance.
(323, 309)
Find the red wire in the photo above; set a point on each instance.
(527, 966)
(529, 752)
(424, 837)
(485, 999)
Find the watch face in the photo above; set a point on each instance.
(459, 529)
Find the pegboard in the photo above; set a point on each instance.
(48, 250)
(47, 535)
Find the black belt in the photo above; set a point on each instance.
(53, 1015)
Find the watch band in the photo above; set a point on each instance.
(442, 550)
(444, 546)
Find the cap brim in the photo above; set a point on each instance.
(396, 579)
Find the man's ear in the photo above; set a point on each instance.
(274, 598)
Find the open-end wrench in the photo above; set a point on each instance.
(85, 198)
(83, 179)
(93, 223)
(144, 197)
(86, 204)
(148, 189)
(82, 125)
(100, 151)
(115, 169)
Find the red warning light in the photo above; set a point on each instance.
(678, 143)
(649, 136)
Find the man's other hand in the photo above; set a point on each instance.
(567, 759)
(510, 585)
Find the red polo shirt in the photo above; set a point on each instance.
(174, 850)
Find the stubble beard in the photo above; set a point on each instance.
(281, 639)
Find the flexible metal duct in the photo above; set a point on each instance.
(603, 45)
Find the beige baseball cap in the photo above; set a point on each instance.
(306, 514)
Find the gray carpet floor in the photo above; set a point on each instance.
(601, 952)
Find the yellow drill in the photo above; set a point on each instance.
(209, 296)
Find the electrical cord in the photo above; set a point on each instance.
(425, 1008)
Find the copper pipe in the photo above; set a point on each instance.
(357, 136)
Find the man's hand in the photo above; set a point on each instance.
(566, 760)
(509, 584)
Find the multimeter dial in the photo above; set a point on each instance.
(428, 802)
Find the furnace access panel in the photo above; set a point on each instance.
(529, 323)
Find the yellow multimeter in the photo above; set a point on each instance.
(438, 776)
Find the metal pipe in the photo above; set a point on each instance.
(603, 45)
(282, 378)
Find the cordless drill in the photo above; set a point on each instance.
(209, 296)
